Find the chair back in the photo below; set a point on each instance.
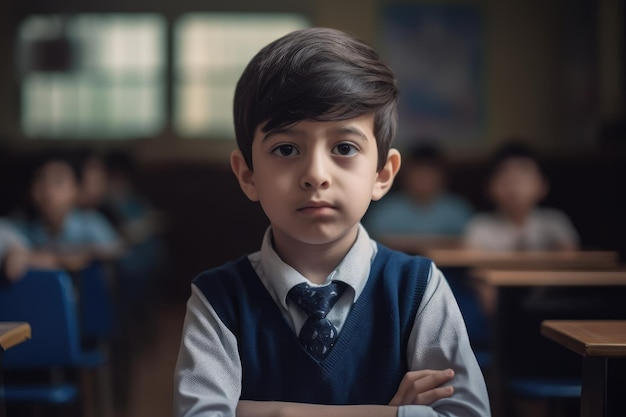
(95, 304)
(46, 300)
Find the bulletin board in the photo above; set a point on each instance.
(437, 53)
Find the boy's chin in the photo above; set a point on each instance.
(325, 235)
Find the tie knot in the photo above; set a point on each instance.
(316, 301)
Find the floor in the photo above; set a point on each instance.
(151, 383)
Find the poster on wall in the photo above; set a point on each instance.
(437, 53)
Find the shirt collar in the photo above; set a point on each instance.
(354, 269)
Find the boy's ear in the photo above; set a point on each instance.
(244, 174)
(384, 177)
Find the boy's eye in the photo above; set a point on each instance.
(285, 150)
(345, 149)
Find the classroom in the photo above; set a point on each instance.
(118, 190)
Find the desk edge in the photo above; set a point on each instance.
(16, 336)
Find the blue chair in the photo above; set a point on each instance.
(95, 304)
(546, 388)
(46, 300)
(97, 322)
(554, 391)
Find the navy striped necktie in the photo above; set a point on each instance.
(318, 334)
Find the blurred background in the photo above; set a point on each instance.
(154, 80)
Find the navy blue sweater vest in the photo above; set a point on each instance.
(369, 358)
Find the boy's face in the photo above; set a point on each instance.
(315, 180)
(94, 184)
(517, 186)
(54, 190)
(424, 181)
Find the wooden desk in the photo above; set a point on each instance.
(525, 299)
(471, 258)
(597, 342)
(11, 334)
(556, 278)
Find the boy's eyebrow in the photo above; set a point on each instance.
(291, 131)
(351, 130)
(294, 131)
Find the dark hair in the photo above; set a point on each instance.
(316, 74)
(71, 159)
(426, 154)
(514, 149)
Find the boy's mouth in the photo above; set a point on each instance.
(316, 204)
(317, 208)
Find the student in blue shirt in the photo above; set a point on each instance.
(322, 320)
(423, 206)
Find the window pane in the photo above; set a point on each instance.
(212, 49)
(110, 86)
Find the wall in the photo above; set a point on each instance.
(211, 220)
(524, 63)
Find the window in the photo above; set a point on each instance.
(212, 50)
(92, 75)
(95, 76)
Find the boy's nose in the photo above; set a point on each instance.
(316, 174)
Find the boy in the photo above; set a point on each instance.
(424, 207)
(322, 320)
(517, 185)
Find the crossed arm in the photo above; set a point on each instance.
(208, 380)
(416, 388)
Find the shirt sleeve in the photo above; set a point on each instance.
(10, 238)
(207, 378)
(477, 233)
(100, 230)
(563, 233)
(439, 341)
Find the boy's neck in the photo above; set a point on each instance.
(424, 200)
(519, 219)
(54, 224)
(313, 261)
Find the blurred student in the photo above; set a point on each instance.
(423, 206)
(94, 182)
(55, 228)
(137, 218)
(516, 186)
(107, 186)
(141, 226)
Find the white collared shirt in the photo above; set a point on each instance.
(208, 370)
(279, 278)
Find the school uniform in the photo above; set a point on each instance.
(80, 227)
(240, 326)
(400, 214)
(544, 229)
